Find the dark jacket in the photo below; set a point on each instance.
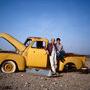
(50, 47)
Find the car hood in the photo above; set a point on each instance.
(17, 44)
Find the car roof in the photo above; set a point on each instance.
(38, 38)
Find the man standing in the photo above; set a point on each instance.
(52, 56)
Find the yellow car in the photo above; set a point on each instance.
(33, 54)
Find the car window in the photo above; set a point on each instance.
(27, 42)
(39, 44)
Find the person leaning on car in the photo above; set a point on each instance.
(52, 56)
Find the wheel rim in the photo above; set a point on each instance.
(8, 67)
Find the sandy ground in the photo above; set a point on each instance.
(28, 81)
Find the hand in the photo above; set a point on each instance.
(57, 51)
(47, 51)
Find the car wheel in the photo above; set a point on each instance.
(8, 67)
(69, 67)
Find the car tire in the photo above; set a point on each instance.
(70, 67)
(8, 67)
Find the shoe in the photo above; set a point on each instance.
(53, 73)
(57, 74)
(49, 74)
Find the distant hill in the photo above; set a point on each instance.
(88, 56)
(0, 49)
(73, 54)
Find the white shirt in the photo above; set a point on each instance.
(59, 47)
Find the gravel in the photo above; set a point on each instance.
(32, 81)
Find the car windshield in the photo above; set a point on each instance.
(27, 42)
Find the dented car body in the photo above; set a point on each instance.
(33, 54)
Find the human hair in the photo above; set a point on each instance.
(52, 39)
(58, 39)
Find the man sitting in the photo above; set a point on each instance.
(60, 50)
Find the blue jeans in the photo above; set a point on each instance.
(60, 55)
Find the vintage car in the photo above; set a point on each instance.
(33, 54)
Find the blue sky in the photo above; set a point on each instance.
(23, 18)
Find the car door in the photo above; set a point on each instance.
(37, 55)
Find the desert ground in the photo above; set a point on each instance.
(31, 81)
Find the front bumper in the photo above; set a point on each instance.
(84, 70)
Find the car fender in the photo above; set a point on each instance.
(18, 59)
(76, 60)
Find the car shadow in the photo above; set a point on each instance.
(87, 71)
(54, 76)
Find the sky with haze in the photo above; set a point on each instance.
(69, 19)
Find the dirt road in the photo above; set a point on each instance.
(28, 81)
